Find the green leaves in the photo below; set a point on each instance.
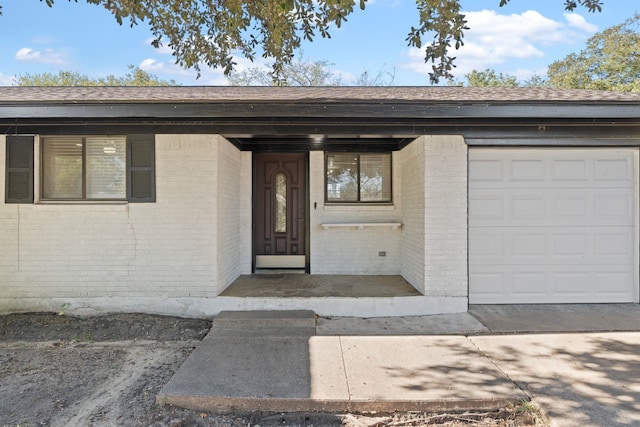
(610, 61)
(591, 5)
(489, 78)
(211, 33)
(443, 20)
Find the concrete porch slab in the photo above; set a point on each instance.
(257, 361)
(292, 285)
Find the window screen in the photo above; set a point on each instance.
(358, 178)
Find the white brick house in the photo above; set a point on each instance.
(158, 199)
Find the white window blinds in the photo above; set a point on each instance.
(106, 168)
(62, 168)
(92, 168)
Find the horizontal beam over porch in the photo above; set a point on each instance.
(347, 135)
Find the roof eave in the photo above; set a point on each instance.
(320, 110)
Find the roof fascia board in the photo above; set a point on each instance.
(410, 129)
(319, 110)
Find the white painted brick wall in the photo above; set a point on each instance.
(347, 250)
(413, 214)
(188, 244)
(162, 249)
(446, 266)
(234, 219)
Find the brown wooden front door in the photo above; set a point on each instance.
(279, 211)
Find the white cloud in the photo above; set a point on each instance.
(578, 21)
(162, 49)
(6, 80)
(154, 66)
(494, 39)
(171, 71)
(47, 56)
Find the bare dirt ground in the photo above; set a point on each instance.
(106, 371)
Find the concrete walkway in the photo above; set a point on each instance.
(274, 361)
(291, 361)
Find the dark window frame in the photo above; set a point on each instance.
(83, 139)
(357, 202)
(140, 177)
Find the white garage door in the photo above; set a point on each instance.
(552, 225)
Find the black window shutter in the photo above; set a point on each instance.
(19, 169)
(141, 170)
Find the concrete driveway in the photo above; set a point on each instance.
(561, 356)
(578, 379)
(579, 362)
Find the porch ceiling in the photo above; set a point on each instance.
(321, 142)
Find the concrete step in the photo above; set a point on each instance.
(264, 324)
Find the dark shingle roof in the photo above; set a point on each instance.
(198, 94)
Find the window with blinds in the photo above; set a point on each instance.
(62, 160)
(358, 177)
(84, 168)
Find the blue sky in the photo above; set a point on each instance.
(521, 39)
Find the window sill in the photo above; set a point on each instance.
(344, 207)
(81, 202)
(362, 225)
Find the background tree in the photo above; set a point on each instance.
(489, 78)
(296, 73)
(135, 77)
(306, 73)
(211, 32)
(537, 80)
(610, 61)
(381, 77)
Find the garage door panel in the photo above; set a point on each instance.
(527, 170)
(557, 207)
(603, 168)
(614, 207)
(526, 284)
(613, 169)
(569, 244)
(569, 170)
(553, 245)
(489, 207)
(548, 225)
(613, 245)
(572, 283)
(529, 246)
(570, 207)
(613, 283)
(533, 207)
(487, 245)
(562, 284)
(488, 286)
(486, 170)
